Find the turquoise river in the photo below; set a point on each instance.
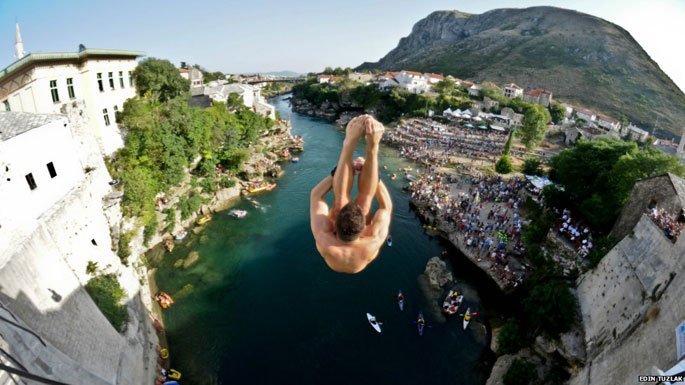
(262, 307)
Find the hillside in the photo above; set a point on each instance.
(583, 59)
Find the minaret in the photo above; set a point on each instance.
(681, 145)
(18, 44)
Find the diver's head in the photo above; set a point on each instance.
(350, 222)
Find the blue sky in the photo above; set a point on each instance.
(299, 35)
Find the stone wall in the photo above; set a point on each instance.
(631, 304)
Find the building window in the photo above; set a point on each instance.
(106, 115)
(7, 105)
(121, 79)
(111, 80)
(53, 91)
(31, 181)
(51, 170)
(130, 79)
(100, 86)
(70, 88)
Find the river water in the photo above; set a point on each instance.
(262, 307)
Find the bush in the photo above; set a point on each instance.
(150, 230)
(521, 372)
(550, 307)
(208, 185)
(91, 268)
(600, 247)
(107, 294)
(124, 249)
(189, 205)
(511, 338)
(532, 166)
(170, 218)
(226, 182)
(503, 165)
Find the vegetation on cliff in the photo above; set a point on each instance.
(107, 294)
(598, 176)
(581, 58)
(164, 136)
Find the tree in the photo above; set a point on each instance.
(446, 87)
(510, 338)
(107, 294)
(521, 372)
(599, 175)
(532, 166)
(503, 165)
(160, 78)
(550, 307)
(557, 112)
(535, 121)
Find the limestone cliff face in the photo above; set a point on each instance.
(581, 58)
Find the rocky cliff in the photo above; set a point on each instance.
(581, 58)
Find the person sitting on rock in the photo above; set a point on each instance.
(347, 236)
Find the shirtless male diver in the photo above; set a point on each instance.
(347, 235)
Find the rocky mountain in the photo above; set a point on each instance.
(584, 60)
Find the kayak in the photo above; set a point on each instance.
(421, 324)
(374, 323)
(452, 302)
(204, 219)
(467, 318)
(400, 300)
(389, 240)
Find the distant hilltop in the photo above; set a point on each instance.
(278, 74)
(586, 60)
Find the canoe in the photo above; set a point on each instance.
(374, 323)
(204, 219)
(400, 300)
(467, 318)
(261, 187)
(452, 302)
(421, 325)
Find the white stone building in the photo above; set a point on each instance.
(608, 123)
(414, 82)
(636, 133)
(475, 90)
(48, 82)
(538, 96)
(39, 164)
(585, 114)
(512, 91)
(251, 96)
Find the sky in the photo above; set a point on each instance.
(237, 36)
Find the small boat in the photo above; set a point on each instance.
(164, 300)
(400, 300)
(256, 188)
(407, 169)
(173, 374)
(393, 176)
(295, 160)
(237, 213)
(374, 323)
(452, 302)
(467, 317)
(421, 324)
(389, 241)
(180, 235)
(410, 177)
(385, 167)
(204, 219)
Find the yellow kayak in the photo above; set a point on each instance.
(204, 219)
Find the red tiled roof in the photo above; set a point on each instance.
(324, 76)
(437, 76)
(607, 118)
(538, 92)
(414, 73)
(512, 85)
(183, 70)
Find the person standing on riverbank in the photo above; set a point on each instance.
(347, 236)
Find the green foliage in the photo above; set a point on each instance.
(494, 93)
(521, 372)
(510, 338)
(160, 78)
(208, 185)
(124, 249)
(534, 125)
(226, 182)
(550, 307)
(170, 218)
(532, 166)
(150, 230)
(507, 145)
(91, 268)
(600, 247)
(107, 294)
(598, 176)
(503, 165)
(189, 204)
(557, 112)
(233, 158)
